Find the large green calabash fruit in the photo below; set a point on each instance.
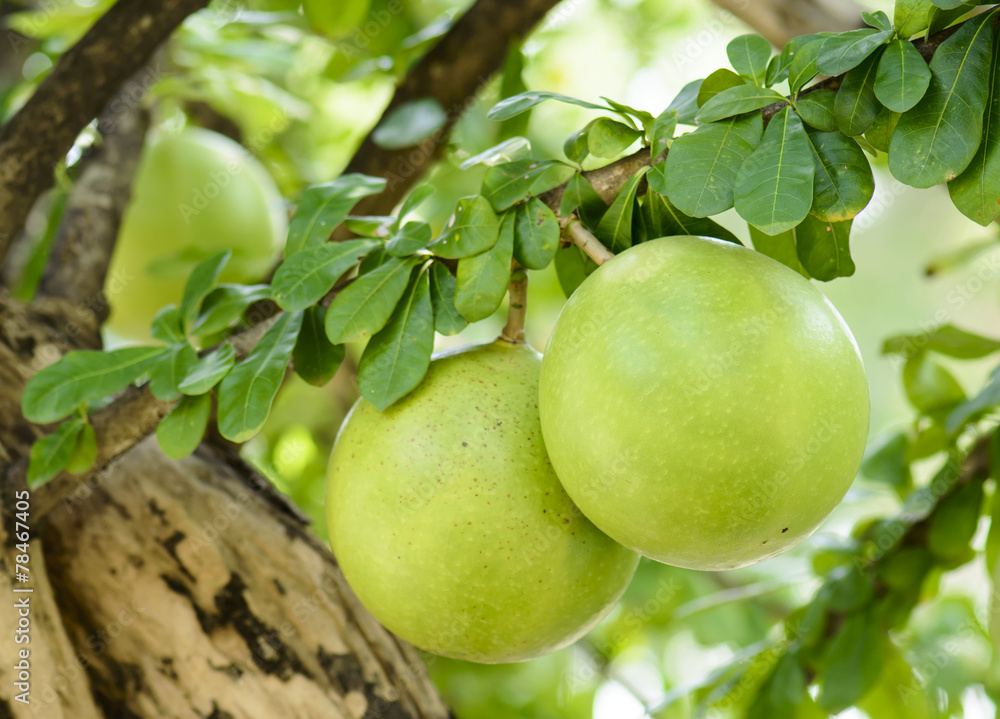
(450, 525)
(702, 403)
(196, 193)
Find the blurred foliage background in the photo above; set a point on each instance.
(680, 641)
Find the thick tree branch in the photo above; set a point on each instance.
(86, 238)
(781, 20)
(452, 73)
(86, 77)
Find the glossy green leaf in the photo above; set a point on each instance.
(615, 227)
(946, 340)
(323, 207)
(410, 123)
(737, 101)
(167, 325)
(715, 83)
(373, 226)
(507, 184)
(844, 184)
(936, 140)
(852, 661)
(609, 138)
(364, 306)
(473, 230)
(315, 358)
(877, 19)
(685, 104)
(846, 50)
(986, 400)
(665, 220)
(50, 454)
(779, 68)
(879, 135)
(976, 192)
(246, 393)
(516, 148)
(422, 192)
(209, 371)
(201, 281)
(782, 693)
(911, 16)
(180, 432)
(397, 357)
(226, 304)
(447, 319)
(170, 370)
(536, 235)
(885, 460)
(955, 522)
(483, 279)
(581, 197)
(572, 268)
(781, 247)
(817, 109)
(577, 146)
(903, 76)
(517, 104)
(824, 248)
(950, 4)
(929, 386)
(774, 187)
(305, 277)
(661, 131)
(411, 237)
(630, 113)
(802, 67)
(749, 54)
(82, 377)
(856, 105)
(702, 166)
(84, 451)
(941, 18)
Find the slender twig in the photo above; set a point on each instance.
(517, 305)
(576, 234)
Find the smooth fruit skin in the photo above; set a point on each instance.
(702, 403)
(196, 193)
(450, 525)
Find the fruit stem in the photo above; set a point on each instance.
(517, 305)
(578, 235)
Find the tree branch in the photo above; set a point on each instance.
(517, 306)
(576, 234)
(86, 77)
(453, 73)
(83, 245)
(781, 20)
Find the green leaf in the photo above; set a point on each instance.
(929, 386)
(473, 230)
(201, 281)
(512, 83)
(823, 248)
(315, 358)
(749, 54)
(170, 369)
(581, 197)
(422, 192)
(903, 76)
(802, 67)
(665, 220)
(993, 538)
(936, 140)
(305, 277)
(517, 104)
(987, 399)
(844, 184)
(955, 522)
(856, 105)
(82, 377)
(410, 238)
(410, 123)
(373, 226)
(879, 135)
(781, 247)
(516, 148)
(397, 357)
(846, 50)
(877, 19)
(225, 304)
(180, 432)
(209, 371)
(84, 451)
(167, 325)
(628, 112)
(976, 192)
(780, 65)
(715, 83)
(702, 166)
(941, 18)
(572, 268)
(577, 146)
(686, 102)
(950, 4)
(737, 101)
(50, 454)
(364, 306)
(615, 228)
(947, 340)
(447, 319)
(816, 109)
(536, 235)
(246, 393)
(323, 207)
(782, 693)
(911, 16)
(661, 131)
(505, 185)
(852, 661)
(886, 460)
(608, 138)
(774, 187)
(483, 279)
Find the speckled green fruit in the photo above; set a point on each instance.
(196, 193)
(702, 403)
(450, 525)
